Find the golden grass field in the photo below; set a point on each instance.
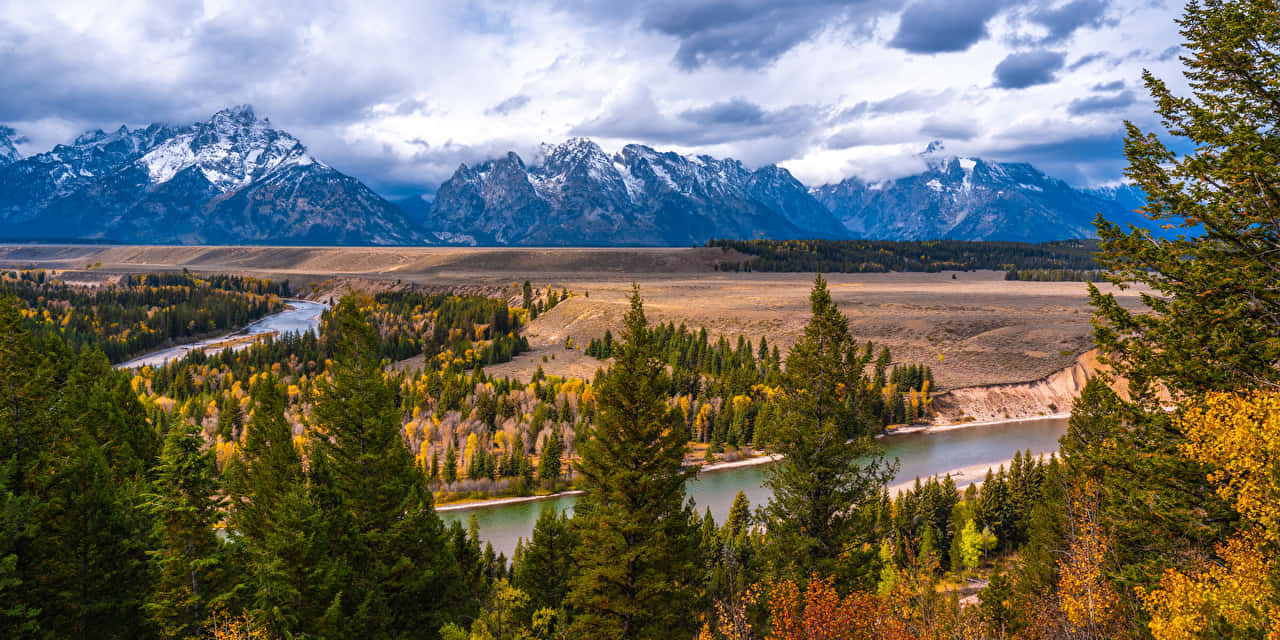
(974, 329)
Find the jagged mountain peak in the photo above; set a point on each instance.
(576, 193)
(231, 149)
(8, 146)
(241, 114)
(232, 178)
(968, 198)
(574, 154)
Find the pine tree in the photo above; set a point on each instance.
(739, 519)
(549, 461)
(188, 555)
(450, 465)
(391, 573)
(832, 467)
(1212, 321)
(26, 383)
(93, 576)
(546, 567)
(272, 512)
(638, 552)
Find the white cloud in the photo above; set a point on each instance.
(399, 93)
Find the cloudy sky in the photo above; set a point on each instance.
(399, 93)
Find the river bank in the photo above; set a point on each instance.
(299, 316)
(464, 505)
(966, 453)
(963, 475)
(937, 428)
(974, 474)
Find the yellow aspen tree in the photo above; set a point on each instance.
(1238, 436)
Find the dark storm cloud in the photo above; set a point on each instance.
(1027, 69)
(738, 33)
(940, 26)
(735, 120)
(1101, 103)
(737, 111)
(508, 106)
(1080, 160)
(950, 129)
(8, 132)
(228, 59)
(1063, 21)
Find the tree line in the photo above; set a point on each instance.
(884, 256)
(140, 313)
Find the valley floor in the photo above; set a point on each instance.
(972, 328)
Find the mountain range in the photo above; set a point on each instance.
(236, 180)
(231, 180)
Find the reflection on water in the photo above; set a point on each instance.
(918, 454)
(300, 316)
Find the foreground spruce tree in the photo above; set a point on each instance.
(387, 570)
(1213, 320)
(547, 561)
(274, 518)
(75, 454)
(189, 557)
(94, 528)
(638, 550)
(826, 478)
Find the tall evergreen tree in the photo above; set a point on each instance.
(831, 467)
(93, 575)
(390, 571)
(188, 555)
(639, 551)
(26, 383)
(545, 567)
(549, 461)
(272, 513)
(1212, 322)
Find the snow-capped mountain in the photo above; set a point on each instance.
(972, 199)
(8, 150)
(575, 193)
(232, 179)
(236, 180)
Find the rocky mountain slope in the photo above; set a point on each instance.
(973, 199)
(236, 180)
(230, 180)
(576, 194)
(8, 150)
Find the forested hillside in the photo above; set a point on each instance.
(139, 313)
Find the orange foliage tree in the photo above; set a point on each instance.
(819, 613)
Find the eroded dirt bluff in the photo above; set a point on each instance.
(1050, 395)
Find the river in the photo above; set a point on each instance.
(300, 316)
(919, 455)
